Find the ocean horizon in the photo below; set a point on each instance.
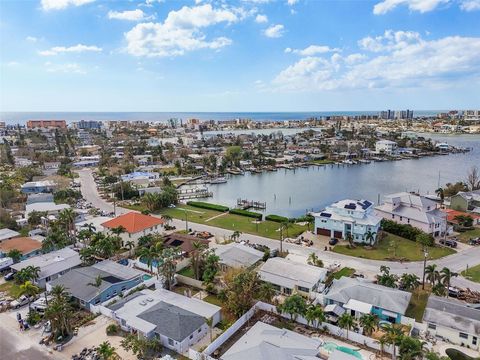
(12, 118)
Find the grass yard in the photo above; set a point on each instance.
(406, 250)
(467, 235)
(233, 222)
(188, 272)
(11, 289)
(418, 302)
(472, 274)
(346, 271)
(214, 300)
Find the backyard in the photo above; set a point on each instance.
(233, 222)
(472, 273)
(394, 248)
(418, 303)
(11, 289)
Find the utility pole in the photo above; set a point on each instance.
(425, 255)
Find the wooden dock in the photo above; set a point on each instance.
(186, 194)
(247, 204)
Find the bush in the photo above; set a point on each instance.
(208, 206)
(112, 329)
(33, 318)
(251, 214)
(276, 218)
(403, 230)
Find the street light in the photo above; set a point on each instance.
(425, 255)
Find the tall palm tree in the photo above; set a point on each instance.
(29, 290)
(392, 336)
(446, 276)
(130, 245)
(236, 235)
(15, 255)
(432, 273)
(150, 201)
(370, 236)
(106, 351)
(441, 194)
(346, 321)
(198, 249)
(287, 225)
(33, 272)
(67, 217)
(148, 255)
(369, 322)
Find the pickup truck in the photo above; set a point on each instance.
(21, 301)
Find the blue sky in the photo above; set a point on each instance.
(250, 55)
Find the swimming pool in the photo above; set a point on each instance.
(146, 277)
(330, 347)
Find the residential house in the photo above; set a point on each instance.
(113, 278)
(385, 147)
(348, 217)
(263, 341)
(135, 225)
(39, 198)
(38, 187)
(26, 245)
(453, 320)
(452, 216)
(237, 256)
(359, 297)
(176, 321)
(466, 201)
(288, 276)
(184, 242)
(414, 210)
(7, 234)
(51, 265)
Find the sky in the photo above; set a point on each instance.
(246, 55)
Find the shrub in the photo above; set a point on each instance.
(251, 214)
(207, 206)
(276, 218)
(403, 230)
(112, 329)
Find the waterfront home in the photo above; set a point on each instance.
(51, 265)
(142, 178)
(466, 201)
(288, 277)
(453, 320)
(386, 147)
(7, 234)
(113, 278)
(453, 214)
(263, 341)
(176, 321)
(359, 297)
(345, 218)
(414, 210)
(237, 256)
(27, 246)
(135, 225)
(38, 187)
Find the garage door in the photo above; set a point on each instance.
(337, 234)
(325, 232)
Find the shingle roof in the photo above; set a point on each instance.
(452, 313)
(133, 222)
(172, 321)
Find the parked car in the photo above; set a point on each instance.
(333, 241)
(9, 276)
(21, 301)
(450, 243)
(474, 241)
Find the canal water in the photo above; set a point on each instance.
(292, 193)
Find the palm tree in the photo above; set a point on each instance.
(148, 255)
(198, 248)
(439, 289)
(167, 218)
(409, 282)
(129, 245)
(446, 276)
(67, 217)
(369, 322)
(106, 351)
(286, 225)
(266, 292)
(314, 260)
(33, 272)
(346, 321)
(15, 255)
(432, 273)
(86, 255)
(370, 236)
(150, 201)
(236, 235)
(441, 194)
(29, 290)
(168, 267)
(393, 336)
(119, 230)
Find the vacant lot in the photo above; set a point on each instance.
(472, 274)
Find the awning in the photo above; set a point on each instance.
(359, 306)
(335, 309)
(389, 313)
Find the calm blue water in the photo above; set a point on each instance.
(22, 117)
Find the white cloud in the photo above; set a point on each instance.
(274, 31)
(470, 5)
(62, 4)
(292, 2)
(180, 32)
(260, 19)
(419, 63)
(79, 48)
(312, 50)
(129, 15)
(31, 39)
(65, 68)
(390, 40)
(414, 5)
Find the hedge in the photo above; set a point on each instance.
(276, 218)
(403, 230)
(251, 214)
(208, 206)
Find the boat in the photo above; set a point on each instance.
(219, 180)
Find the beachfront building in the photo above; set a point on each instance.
(134, 225)
(414, 210)
(288, 277)
(453, 320)
(46, 124)
(348, 217)
(359, 297)
(386, 147)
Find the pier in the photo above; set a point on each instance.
(186, 194)
(246, 204)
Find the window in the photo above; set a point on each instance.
(463, 335)
(200, 330)
(287, 291)
(191, 337)
(170, 342)
(432, 326)
(304, 289)
(393, 216)
(401, 218)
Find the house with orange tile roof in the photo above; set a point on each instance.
(452, 214)
(26, 245)
(135, 225)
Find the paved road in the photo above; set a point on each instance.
(456, 262)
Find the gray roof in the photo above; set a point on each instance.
(80, 282)
(7, 234)
(345, 288)
(453, 314)
(266, 342)
(40, 197)
(172, 321)
(238, 255)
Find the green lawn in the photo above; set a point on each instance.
(187, 271)
(473, 273)
(11, 288)
(212, 299)
(346, 271)
(243, 224)
(406, 250)
(417, 305)
(467, 235)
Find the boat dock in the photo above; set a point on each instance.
(186, 194)
(246, 204)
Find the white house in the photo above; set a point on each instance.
(415, 210)
(288, 276)
(385, 146)
(354, 217)
(235, 255)
(453, 320)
